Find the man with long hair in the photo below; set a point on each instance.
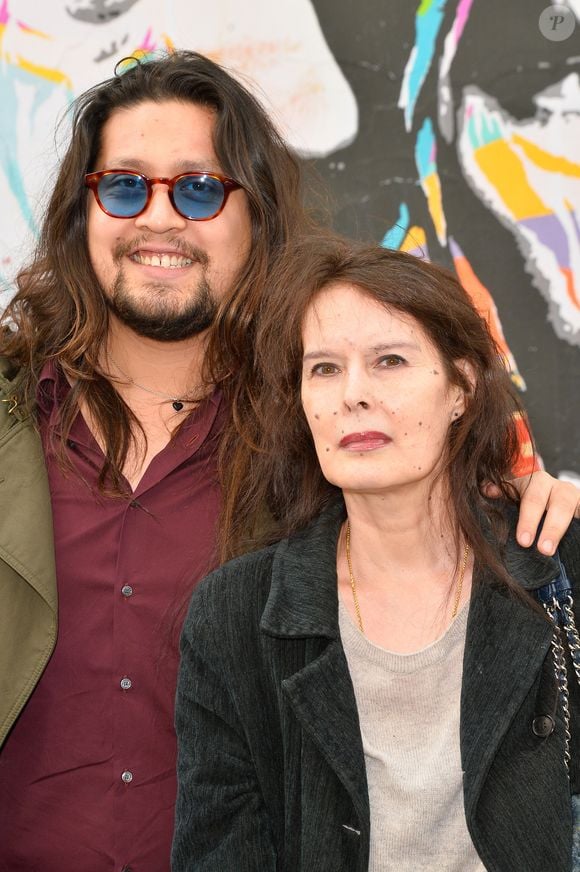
(175, 195)
(176, 189)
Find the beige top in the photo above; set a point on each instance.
(408, 706)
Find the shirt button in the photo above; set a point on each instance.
(127, 590)
(127, 776)
(126, 683)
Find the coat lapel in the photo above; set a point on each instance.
(505, 648)
(303, 603)
(323, 700)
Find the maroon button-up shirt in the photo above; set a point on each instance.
(87, 776)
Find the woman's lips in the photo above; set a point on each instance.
(366, 441)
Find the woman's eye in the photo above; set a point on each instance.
(391, 360)
(324, 369)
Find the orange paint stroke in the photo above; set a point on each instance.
(484, 303)
(570, 288)
(527, 460)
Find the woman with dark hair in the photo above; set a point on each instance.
(378, 688)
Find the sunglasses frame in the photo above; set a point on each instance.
(92, 181)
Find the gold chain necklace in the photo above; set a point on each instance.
(353, 582)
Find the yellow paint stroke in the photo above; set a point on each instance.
(415, 238)
(546, 161)
(33, 31)
(48, 73)
(432, 187)
(506, 173)
(424, 7)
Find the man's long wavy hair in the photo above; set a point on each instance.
(271, 459)
(59, 311)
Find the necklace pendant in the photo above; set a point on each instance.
(177, 405)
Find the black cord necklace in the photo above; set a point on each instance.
(176, 402)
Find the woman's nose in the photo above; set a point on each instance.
(357, 394)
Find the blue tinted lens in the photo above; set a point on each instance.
(198, 196)
(122, 194)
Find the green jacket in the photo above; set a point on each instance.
(28, 597)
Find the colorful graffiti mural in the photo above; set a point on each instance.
(50, 52)
(448, 128)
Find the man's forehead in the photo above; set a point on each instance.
(177, 134)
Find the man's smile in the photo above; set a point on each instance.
(161, 259)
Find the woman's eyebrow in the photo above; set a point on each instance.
(319, 352)
(375, 349)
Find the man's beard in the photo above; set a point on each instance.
(155, 318)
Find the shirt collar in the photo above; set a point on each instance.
(52, 387)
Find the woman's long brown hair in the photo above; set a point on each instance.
(269, 459)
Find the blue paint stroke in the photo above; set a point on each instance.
(482, 130)
(425, 150)
(10, 76)
(428, 21)
(395, 237)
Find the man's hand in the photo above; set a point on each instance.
(539, 493)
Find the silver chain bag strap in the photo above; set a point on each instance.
(556, 598)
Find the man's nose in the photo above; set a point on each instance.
(160, 216)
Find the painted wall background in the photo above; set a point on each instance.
(450, 128)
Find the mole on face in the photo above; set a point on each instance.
(317, 417)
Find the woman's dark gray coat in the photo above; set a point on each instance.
(271, 765)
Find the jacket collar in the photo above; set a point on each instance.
(10, 389)
(303, 598)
